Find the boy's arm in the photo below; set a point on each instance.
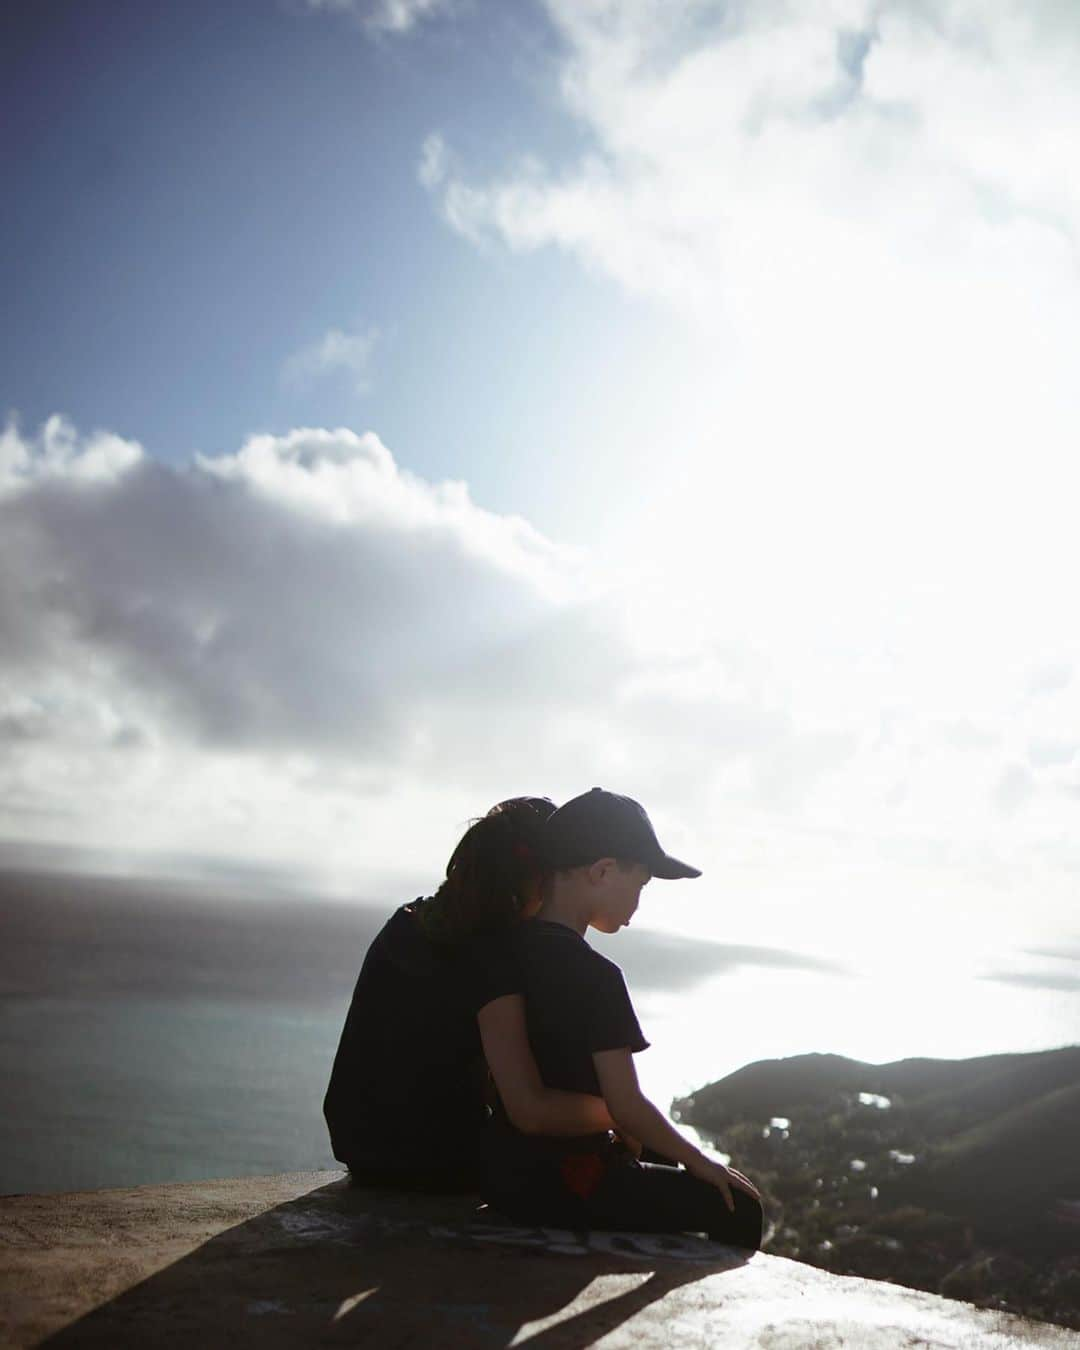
(532, 1107)
(637, 1116)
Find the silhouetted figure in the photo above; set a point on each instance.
(583, 1031)
(407, 1101)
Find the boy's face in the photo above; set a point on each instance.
(618, 890)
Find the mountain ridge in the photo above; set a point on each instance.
(949, 1175)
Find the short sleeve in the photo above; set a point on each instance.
(612, 1022)
(489, 970)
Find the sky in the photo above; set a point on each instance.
(414, 403)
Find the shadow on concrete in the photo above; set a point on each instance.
(346, 1266)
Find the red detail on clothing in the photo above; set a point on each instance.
(581, 1173)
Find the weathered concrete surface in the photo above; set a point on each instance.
(302, 1260)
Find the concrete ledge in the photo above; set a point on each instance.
(303, 1260)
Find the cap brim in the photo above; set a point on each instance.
(671, 869)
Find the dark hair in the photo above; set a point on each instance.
(497, 857)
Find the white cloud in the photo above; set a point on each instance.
(1014, 789)
(384, 16)
(259, 640)
(337, 352)
(1049, 679)
(866, 212)
(285, 595)
(58, 454)
(300, 653)
(432, 167)
(1046, 752)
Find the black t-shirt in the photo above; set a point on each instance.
(408, 1084)
(576, 1003)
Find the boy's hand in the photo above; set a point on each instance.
(723, 1178)
(744, 1183)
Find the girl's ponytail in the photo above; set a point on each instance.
(491, 872)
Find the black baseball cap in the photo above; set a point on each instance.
(601, 824)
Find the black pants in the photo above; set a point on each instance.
(626, 1194)
(463, 1180)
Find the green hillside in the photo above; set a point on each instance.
(1008, 1172)
(950, 1177)
(1001, 1088)
(960, 1089)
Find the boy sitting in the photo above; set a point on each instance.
(601, 850)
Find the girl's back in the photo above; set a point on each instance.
(407, 1099)
(408, 1077)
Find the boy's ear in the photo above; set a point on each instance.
(599, 870)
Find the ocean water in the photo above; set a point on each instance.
(152, 1033)
(117, 1091)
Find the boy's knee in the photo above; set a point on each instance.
(751, 1216)
(743, 1227)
